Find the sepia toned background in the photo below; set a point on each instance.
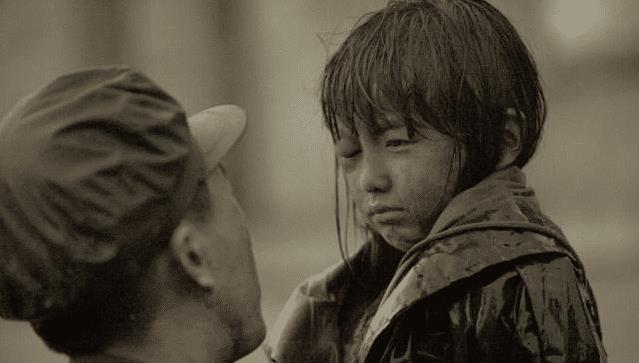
(267, 56)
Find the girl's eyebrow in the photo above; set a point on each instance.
(391, 127)
(385, 123)
(388, 127)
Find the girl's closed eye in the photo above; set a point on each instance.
(397, 138)
(347, 149)
(397, 143)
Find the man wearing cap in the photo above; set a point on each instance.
(120, 237)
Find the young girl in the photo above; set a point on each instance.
(434, 107)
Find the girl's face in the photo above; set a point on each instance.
(399, 182)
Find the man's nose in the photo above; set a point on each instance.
(374, 176)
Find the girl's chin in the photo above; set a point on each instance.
(402, 241)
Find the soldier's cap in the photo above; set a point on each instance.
(97, 164)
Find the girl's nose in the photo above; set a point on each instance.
(374, 176)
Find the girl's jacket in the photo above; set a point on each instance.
(495, 281)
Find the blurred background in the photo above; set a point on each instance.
(267, 56)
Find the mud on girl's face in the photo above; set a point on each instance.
(399, 180)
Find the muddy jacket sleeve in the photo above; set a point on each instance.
(539, 309)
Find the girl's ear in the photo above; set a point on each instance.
(511, 146)
(189, 250)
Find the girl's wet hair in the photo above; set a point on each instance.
(456, 65)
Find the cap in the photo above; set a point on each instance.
(97, 162)
(216, 130)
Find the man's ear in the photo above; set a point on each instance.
(189, 249)
(511, 146)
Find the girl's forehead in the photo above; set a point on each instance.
(375, 124)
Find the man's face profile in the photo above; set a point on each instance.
(237, 292)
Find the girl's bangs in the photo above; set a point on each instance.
(383, 74)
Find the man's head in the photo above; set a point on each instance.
(102, 178)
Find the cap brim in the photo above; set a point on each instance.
(216, 130)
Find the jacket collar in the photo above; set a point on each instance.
(474, 204)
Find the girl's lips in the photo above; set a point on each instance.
(381, 208)
(387, 215)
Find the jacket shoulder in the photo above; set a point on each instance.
(455, 258)
(564, 308)
(546, 305)
(527, 310)
(445, 263)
